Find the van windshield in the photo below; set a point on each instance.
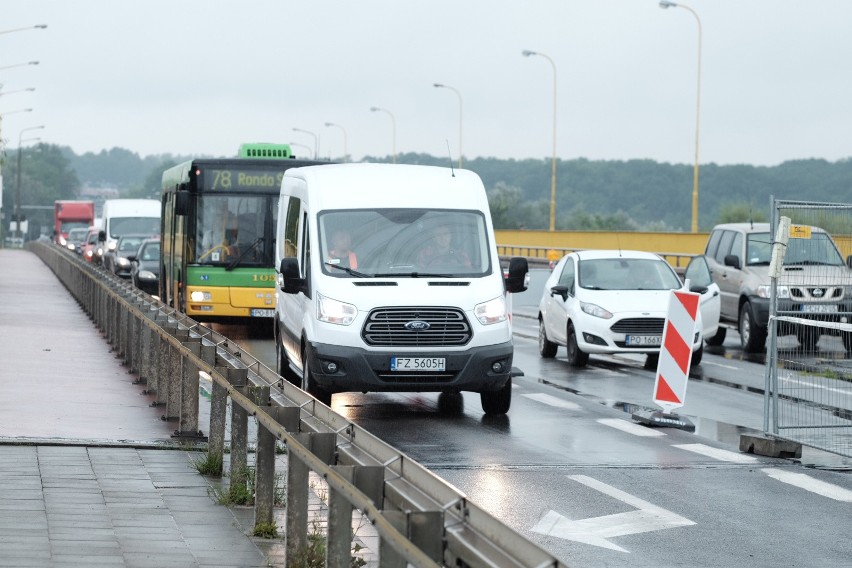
(404, 243)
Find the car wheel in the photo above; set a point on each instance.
(310, 386)
(719, 338)
(546, 348)
(651, 361)
(497, 402)
(752, 336)
(697, 356)
(576, 357)
(847, 341)
(808, 337)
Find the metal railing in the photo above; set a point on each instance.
(538, 255)
(421, 520)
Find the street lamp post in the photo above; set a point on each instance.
(305, 146)
(316, 139)
(528, 53)
(393, 124)
(345, 149)
(667, 4)
(28, 89)
(18, 182)
(442, 86)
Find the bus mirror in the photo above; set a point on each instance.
(182, 203)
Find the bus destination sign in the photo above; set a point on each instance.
(241, 179)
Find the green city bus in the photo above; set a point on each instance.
(217, 235)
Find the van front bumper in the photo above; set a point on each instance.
(351, 369)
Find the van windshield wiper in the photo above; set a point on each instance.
(414, 275)
(348, 270)
(236, 261)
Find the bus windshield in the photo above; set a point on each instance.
(404, 242)
(230, 228)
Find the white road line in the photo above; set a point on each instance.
(714, 364)
(715, 453)
(552, 401)
(631, 427)
(808, 483)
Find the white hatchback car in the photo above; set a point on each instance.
(616, 301)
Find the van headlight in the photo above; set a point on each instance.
(334, 311)
(492, 311)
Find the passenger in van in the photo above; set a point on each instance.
(440, 250)
(341, 253)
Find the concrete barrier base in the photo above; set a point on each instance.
(763, 445)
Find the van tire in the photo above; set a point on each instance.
(499, 401)
(576, 357)
(283, 362)
(752, 336)
(310, 386)
(546, 348)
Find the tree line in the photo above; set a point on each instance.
(613, 195)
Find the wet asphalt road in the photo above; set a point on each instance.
(569, 468)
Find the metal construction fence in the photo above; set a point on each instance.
(420, 519)
(808, 365)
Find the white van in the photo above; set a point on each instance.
(415, 303)
(127, 217)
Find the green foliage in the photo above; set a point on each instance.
(313, 555)
(740, 213)
(265, 530)
(208, 465)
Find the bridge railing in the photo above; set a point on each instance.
(421, 520)
(541, 256)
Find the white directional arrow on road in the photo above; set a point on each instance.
(597, 530)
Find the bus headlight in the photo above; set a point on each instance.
(199, 296)
(335, 311)
(490, 312)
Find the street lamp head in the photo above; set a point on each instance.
(667, 4)
(374, 109)
(527, 53)
(329, 124)
(41, 26)
(437, 85)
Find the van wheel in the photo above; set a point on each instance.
(283, 362)
(497, 402)
(576, 357)
(546, 348)
(310, 386)
(719, 338)
(752, 336)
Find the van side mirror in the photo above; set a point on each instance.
(290, 281)
(101, 235)
(733, 260)
(516, 280)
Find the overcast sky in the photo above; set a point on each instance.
(198, 77)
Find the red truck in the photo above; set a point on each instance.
(70, 215)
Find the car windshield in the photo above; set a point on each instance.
(404, 243)
(77, 234)
(151, 251)
(129, 245)
(818, 249)
(127, 225)
(627, 274)
(758, 249)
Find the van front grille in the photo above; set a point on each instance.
(416, 327)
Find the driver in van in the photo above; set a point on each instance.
(341, 253)
(440, 250)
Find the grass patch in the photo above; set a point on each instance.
(208, 465)
(265, 530)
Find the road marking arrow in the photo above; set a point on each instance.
(597, 530)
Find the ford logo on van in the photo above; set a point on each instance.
(417, 325)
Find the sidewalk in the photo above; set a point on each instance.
(85, 476)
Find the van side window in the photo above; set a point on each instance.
(291, 229)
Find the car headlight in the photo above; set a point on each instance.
(90, 253)
(595, 310)
(492, 311)
(62, 241)
(146, 275)
(765, 291)
(123, 261)
(335, 311)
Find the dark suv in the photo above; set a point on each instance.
(814, 284)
